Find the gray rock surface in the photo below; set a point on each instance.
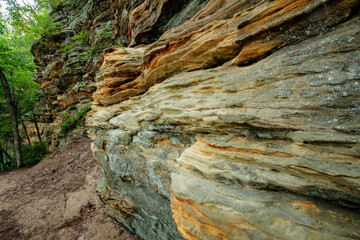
(238, 120)
(266, 151)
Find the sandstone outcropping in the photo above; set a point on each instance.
(67, 56)
(222, 119)
(239, 123)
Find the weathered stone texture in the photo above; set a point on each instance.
(136, 184)
(118, 75)
(240, 123)
(67, 57)
(223, 119)
(241, 32)
(144, 21)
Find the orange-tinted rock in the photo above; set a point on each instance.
(238, 120)
(122, 11)
(67, 65)
(117, 79)
(265, 151)
(143, 21)
(67, 57)
(241, 32)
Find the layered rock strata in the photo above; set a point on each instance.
(144, 21)
(241, 123)
(115, 81)
(67, 55)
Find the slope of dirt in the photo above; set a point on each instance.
(56, 199)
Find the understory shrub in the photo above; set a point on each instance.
(73, 121)
(82, 36)
(7, 164)
(33, 154)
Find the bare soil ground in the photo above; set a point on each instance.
(56, 199)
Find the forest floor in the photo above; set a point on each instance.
(56, 199)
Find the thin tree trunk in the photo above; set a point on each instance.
(26, 132)
(37, 128)
(9, 143)
(3, 152)
(14, 122)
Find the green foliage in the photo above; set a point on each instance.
(100, 33)
(82, 36)
(66, 47)
(86, 57)
(33, 154)
(32, 19)
(5, 126)
(2, 25)
(73, 121)
(121, 46)
(68, 111)
(8, 165)
(94, 50)
(52, 28)
(23, 25)
(19, 68)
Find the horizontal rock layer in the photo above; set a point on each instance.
(118, 76)
(144, 21)
(67, 56)
(241, 123)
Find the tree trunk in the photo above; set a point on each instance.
(14, 122)
(37, 128)
(3, 152)
(9, 143)
(26, 132)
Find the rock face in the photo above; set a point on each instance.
(239, 122)
(115, 82)
(67, 57)
(144, 21)
(223, 119)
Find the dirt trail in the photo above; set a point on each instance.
(56, 199)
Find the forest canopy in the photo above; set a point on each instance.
(21, 24)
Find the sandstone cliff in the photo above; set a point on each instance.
(67, 57)
(230, 119)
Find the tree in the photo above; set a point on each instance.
(13, 115)
(24, 25)
(2, 153)
(33, 20)
(8, 96)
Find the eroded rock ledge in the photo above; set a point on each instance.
(240, 123)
